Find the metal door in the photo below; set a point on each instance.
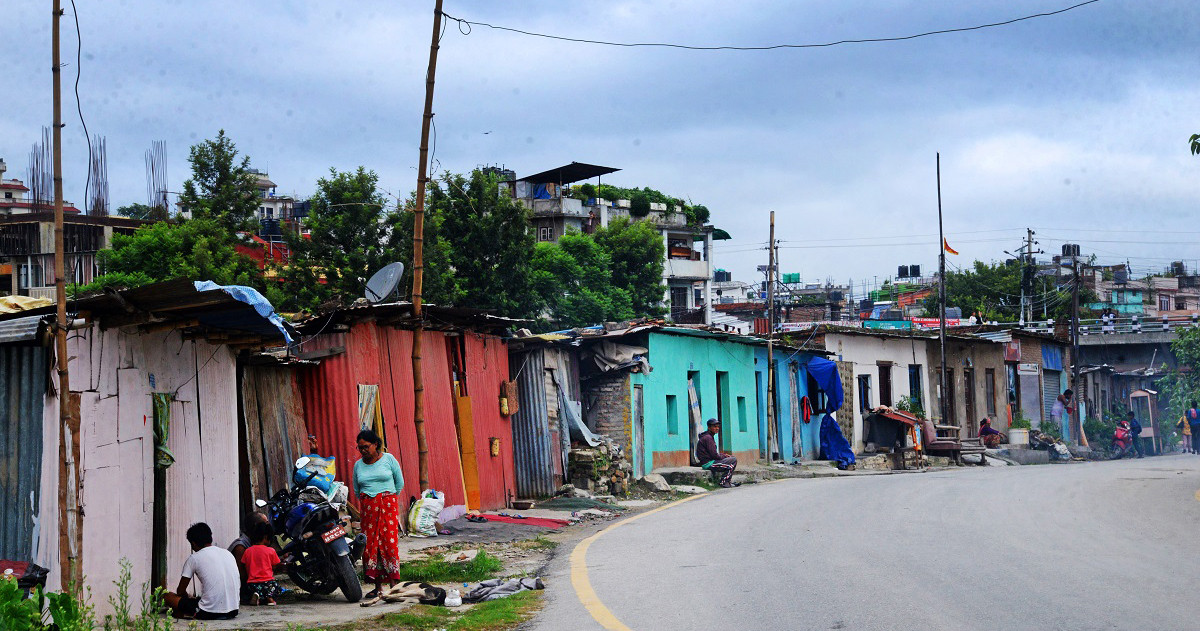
(22, 392)
(639, 434)
(1051, 384)
(969, 402)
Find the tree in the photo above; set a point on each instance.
(636, 252)
(994, 292)
(574, 279)
(491, 243)
(1181, 386)
(221, 187)
(143, 212)
(1195, 143)
(197, 249)
(348, 241)
(439, 285)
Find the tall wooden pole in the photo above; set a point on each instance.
(772, 413)
(419, 256)
(941, 297)
(68, 480)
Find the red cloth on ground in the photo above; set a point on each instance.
(544, 522)
(260, 562)
(381, 524)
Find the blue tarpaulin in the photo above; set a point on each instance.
(833, 445)
(250, 296)
(826, 375)
(1052, 357)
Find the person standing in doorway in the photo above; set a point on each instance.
(711, 458)
(1192, 416)
(1064, 407)
(378, 482)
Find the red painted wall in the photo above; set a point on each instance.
(382, 356)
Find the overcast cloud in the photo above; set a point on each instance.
(1076, 121)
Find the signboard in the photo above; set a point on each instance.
(1028, 369)
(1012, 351)
(886, 324)
(933, 323)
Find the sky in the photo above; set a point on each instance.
(1075, 125)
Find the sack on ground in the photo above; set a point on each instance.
(422, 518)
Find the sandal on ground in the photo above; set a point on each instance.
(374, 593)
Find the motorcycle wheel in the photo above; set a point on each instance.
(347, 578)
(309, 584)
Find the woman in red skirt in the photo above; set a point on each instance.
(378, 482)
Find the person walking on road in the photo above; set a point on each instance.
(711, 458)
(1192, 416)
(1135, 433)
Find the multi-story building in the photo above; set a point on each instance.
(27, 249)
(15, 198)
(687, 264)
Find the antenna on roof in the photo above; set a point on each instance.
(384, 283)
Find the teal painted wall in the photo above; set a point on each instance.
(810, 433)
(672, 357)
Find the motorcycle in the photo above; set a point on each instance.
(319, 556)
(1122, 443)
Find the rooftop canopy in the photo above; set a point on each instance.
(566, 174)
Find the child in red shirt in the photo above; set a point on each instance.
(261, 560)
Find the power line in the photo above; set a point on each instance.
(469, 23)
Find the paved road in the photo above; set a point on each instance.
(1105, 545)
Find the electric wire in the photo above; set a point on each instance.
(471, 23)
(78, 104)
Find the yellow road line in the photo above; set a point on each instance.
(579, 573)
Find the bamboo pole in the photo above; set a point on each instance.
(419, 257)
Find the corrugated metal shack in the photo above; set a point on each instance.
(364, 379)
(159, 357)
(542, 365)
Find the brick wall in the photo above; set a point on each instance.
(608, 408)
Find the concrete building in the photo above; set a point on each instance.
(687, 264)
(17, 199)
(27, 249)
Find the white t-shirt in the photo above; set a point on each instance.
(219, 578)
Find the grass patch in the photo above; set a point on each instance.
(438, 570)
(504, 613)
(419, 617)
(539, 542)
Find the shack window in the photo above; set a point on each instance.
(916, 389)
(741, 412)
(864, 393)
(885, 384)
(1011, 372)
(672, 415)
(989, 391)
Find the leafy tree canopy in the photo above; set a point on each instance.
(641, 198)
(144, 212)
(221, 187)
(635, 250)
(574, 278)
(993, 291)
(348, 241)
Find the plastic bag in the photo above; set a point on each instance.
(324, 467)
(422, 518)
(453, 598)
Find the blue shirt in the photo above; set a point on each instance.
(383, 476)
(1135, 427)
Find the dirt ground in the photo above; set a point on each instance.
(524, 550)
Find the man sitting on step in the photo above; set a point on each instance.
(711, 458)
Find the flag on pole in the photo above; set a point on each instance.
(946, 246)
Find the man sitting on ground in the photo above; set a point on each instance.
(707, 452)
(219, 579)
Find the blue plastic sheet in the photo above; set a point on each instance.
(250, 296)
(826, 375)
(833, 445)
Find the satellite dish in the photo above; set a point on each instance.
(384, 282)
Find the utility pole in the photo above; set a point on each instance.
(419, 257)
(941, 297)
(1075, 343)
(68, 471)
(1026, 261)
(772, 413)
